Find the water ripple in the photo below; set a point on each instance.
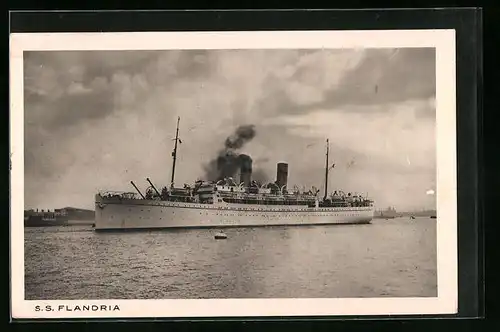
(388, 258)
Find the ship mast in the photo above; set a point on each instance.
(174, 153)
(326, 169)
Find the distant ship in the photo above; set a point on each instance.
(389, 213)
(58, 217)
(44, 218)
(227, 203)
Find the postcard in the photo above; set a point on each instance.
(230, 174)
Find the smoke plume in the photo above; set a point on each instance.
(228, 161)
(260, 176)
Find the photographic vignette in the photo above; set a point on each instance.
(444, 43)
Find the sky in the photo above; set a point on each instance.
(95, 120)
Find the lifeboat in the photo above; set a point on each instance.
(220, 236)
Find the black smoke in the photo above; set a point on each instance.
(260, 176)
(241, 136)
(229, 161)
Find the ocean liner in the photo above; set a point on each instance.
(226, 202)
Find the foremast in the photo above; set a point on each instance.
(174, 153)
(326, 169)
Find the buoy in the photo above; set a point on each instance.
(220, 236)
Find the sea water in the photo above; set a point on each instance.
(388, 258)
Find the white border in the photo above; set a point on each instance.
(442, 40)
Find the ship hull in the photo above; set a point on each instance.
(147, 214)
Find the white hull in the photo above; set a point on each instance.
(114, 214)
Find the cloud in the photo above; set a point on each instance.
(390, 134)
(96, 120)
(77, 89)
(380, 76)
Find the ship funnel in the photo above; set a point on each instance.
(245, 169)
(282, 174)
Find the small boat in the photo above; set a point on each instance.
(433, 217)
(220, 236)
(412, 217)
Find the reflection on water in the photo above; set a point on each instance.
(393, 258)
